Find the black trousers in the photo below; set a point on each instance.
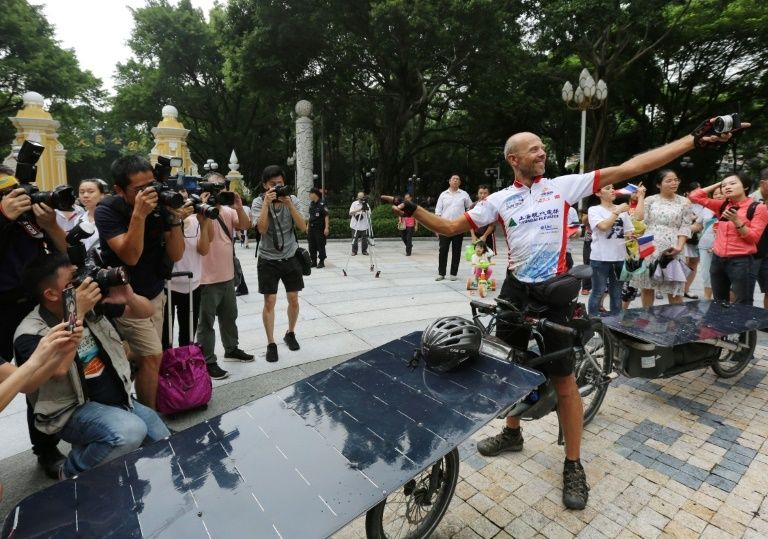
(407, 237)
(360, 234)
(180, 311)
(586, 252)
(316, 241)
(455, 244)
(732, 273)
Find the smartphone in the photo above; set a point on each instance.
(69, 300)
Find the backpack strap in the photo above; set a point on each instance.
(722, 208)
(751, 210)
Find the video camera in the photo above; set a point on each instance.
(364, 205)
(89, 263)
(167, 190)
(61, 198)
(218, 195)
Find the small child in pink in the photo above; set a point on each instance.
(482, 254)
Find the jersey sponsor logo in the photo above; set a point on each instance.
(514, 201)
(511, 223)
(549, 229)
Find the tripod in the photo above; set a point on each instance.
(371, 245)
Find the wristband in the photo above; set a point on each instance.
(408, 207)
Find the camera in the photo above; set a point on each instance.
(201, 208)
(727, 123)
(61, 198)
(364, 203)
(218, 195)
(89, 263)
(282, 190)
(167, 189)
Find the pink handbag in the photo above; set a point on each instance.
(183, 383)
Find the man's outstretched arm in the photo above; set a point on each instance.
(658, 157)
(446, 227)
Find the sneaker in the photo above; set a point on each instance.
(453, 277)
(575, 488)
(507, 440)
(216, 372)
(320, 265)
(238, 355)
(51, 462)
(271, 352)
(439, 277)
(290, 340)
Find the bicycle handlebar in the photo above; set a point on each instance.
(558, 327)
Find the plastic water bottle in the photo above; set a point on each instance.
(532, 397)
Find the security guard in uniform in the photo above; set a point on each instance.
(319, 227)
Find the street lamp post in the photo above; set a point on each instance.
(686, 163)
(588, 95)
(413, 179)
(494, 173)
(367, 179)
(210, 166)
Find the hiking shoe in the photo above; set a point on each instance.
(575, 488)
(238, 355)
(271, 352)
(290, 340)
(439, 277)
(507, 440)
(216, 372)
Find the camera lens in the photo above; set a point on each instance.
(171, 199)
(109, 277)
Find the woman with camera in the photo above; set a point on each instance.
(740, 224)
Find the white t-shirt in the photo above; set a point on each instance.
(608, 245)
(191, 260)
(534, 221)
(360, 220)
(91, 240)
(485, 257)
(707, 235)
(452, 205)
(68, 223)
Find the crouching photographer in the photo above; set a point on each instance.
(140, 228)
(276, 217)
(87, 400)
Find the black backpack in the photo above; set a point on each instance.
(762, 243)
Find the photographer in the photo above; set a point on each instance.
(87, 401)
(359, 223)
(277, 217)
(21, 240)
(217, 296)
(148, 239)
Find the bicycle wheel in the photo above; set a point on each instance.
(730, 363)
(592, 383)
(416, 509)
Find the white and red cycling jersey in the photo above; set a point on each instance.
(534, 221)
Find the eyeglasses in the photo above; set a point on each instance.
(139, 188)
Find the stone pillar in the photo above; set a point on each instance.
(171, 140)
(305, 143)
(37, 125)
(234, 176)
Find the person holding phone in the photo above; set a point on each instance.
(741, 223)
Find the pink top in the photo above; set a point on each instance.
(728, 240)
(409, 222)
(218, 264)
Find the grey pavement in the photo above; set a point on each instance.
(683, 457)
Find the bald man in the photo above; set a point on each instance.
(532, 212)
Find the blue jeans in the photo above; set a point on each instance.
(605, 278)
(99, 433)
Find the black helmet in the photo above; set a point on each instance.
(450, 341)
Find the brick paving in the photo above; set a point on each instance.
(684, 457)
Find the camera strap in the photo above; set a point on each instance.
(277, 227)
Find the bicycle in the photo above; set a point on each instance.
(593, 367)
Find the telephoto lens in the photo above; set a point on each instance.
(62, 198)
(200, 207)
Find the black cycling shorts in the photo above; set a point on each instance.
(517, 293)
(271, 272)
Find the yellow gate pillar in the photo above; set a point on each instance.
(171, 140)
(34, 123)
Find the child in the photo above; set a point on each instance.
(482, 254)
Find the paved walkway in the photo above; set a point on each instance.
(684, 457)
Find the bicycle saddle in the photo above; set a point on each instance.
(580, 272)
